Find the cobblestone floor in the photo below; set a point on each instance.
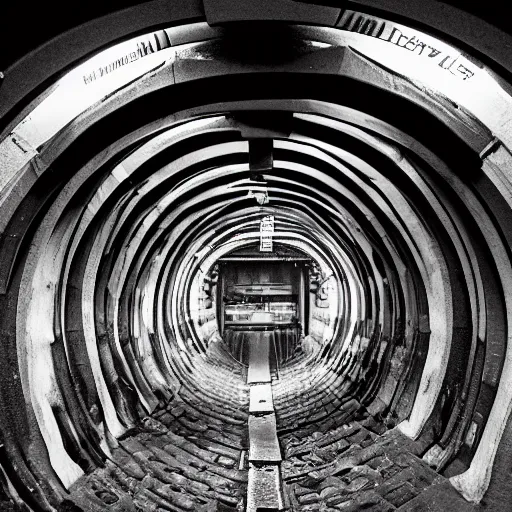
(358, 467)
(186, 457)
(175, 461)
(338, 457)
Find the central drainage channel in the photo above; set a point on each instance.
(264, 490)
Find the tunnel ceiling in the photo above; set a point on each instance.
(381, 152)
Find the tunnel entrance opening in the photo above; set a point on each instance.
(264, 293)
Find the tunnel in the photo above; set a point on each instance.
(256, 256)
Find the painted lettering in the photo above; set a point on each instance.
(448, 66)
(373, 27)
(144, 48)
(421, 45)
(399, 38)
(464, 71)
(434, 52)
(411, 44)
(89, 78)
(368, 27)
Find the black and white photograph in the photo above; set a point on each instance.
(256, 256)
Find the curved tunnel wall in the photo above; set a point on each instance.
(106, 221)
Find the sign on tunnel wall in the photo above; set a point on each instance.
(266, 232)
(404, 50)
(431, 51)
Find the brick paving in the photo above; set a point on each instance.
(359, 466)
(175, 461)
(336, 456)
(185, 457)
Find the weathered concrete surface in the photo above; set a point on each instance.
(264, 489)
(259, 367)
(260, 399)
(264, 446)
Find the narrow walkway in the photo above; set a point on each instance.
(259, 363)
(264, 490)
